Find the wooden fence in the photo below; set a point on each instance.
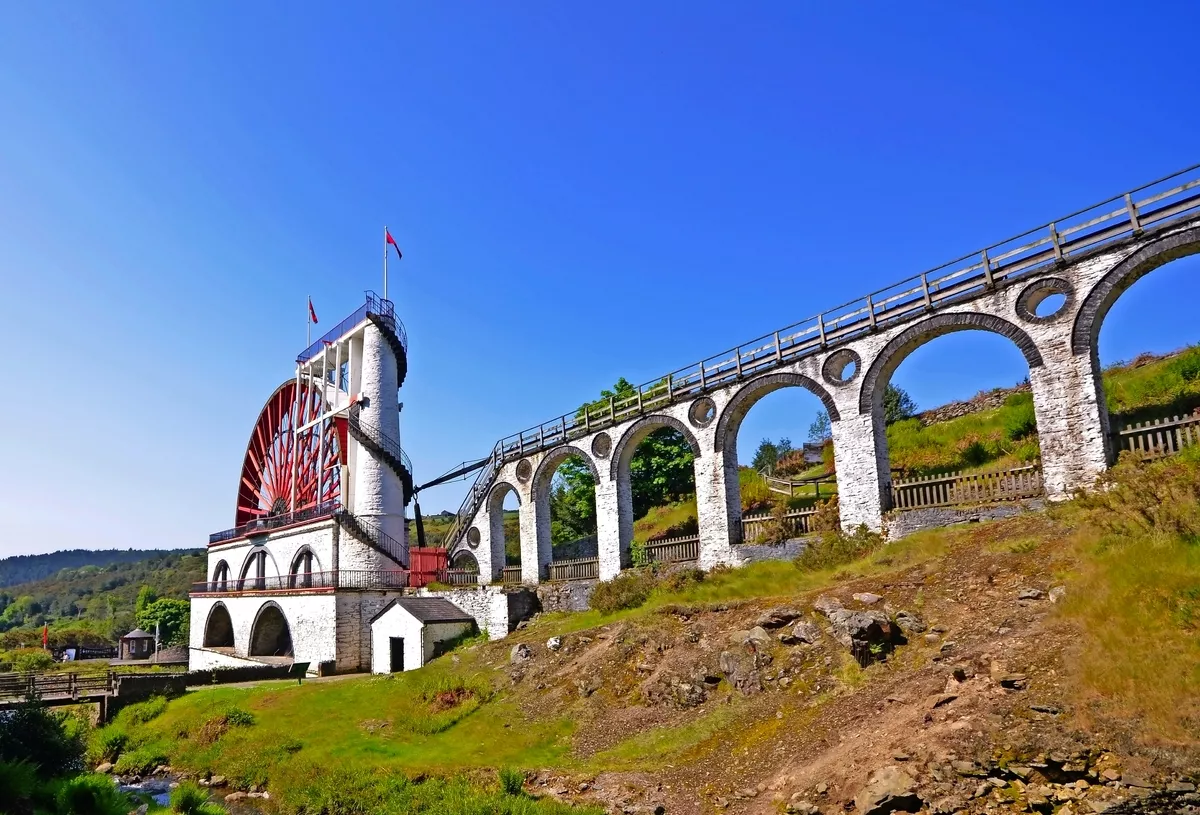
(799, 521)
(801, 486)
(1161, 437)
(462, 577)
(510, 575)
(73, 685)
(973, 488)
(668, 550)
(581, 568)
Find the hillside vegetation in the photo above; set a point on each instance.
(94, 602)
(1070, 632)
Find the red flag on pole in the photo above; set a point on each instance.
(392, 241)
(45, 635)
(311, 314)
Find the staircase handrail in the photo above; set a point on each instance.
(378, 436)
(376, 537)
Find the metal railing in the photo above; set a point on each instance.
(374, 305)
(304, 581)
(1150, 206)
(267, 523)
(972, 488)
(41, 686)
(680, 549)
(1158, 437)
(799, 522)
(370, 534)
(379, 438)
(583, 568)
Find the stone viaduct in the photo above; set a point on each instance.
(1047, 290)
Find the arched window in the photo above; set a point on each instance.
(220, 578)
(302, 569)
(254, 573)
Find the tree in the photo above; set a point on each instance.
(572, 502)
(172, 618)
(897, 405)
(821, 428)
(146, 596)
(768, 454)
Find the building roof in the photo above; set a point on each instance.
(137, 634)
(429, 610)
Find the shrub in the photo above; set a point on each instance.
(512, 782)
(192, 799)
(239, 717)
(93, 795)
(141, 761)
(681, 578)
(27, 660)
(107, 744)
(629, 589)
(828, 517)
(18, 782)
(1018, 416)
(50, 740)
(836, 548)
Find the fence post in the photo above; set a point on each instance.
(1058, 254)
(871, 311)
(1131, 208)
(987, 270)
(778, 350)
(925, 289)
(820, 327)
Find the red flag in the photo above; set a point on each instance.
(45, 635)
(311, 314)
(392, 241)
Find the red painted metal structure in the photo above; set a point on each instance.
(277, 458)
(427, 566)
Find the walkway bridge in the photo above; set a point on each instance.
(846, 356)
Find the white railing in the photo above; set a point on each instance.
(1152, 205)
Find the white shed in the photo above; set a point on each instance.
(405, 634)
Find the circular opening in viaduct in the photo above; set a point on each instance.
(524, 470)
(841, 367)
(702, 412)
(473, 536)
(1044, 300)
(601, 445)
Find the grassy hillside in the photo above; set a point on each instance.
(28, 568)
(639, 705)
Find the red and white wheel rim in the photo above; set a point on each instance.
(275, 457)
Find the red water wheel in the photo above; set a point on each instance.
(275, 457)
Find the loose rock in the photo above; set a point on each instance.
(520, 653)
(889, 789)
(1030, 594)
(803, 631)
(867, 598)
(554, 643)
(778, 617)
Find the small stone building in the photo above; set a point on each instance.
(406, 633)
(136, 645)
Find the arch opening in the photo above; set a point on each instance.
(1145, 370)
(504, 535)
(775, 440)
(981, 414)
(464, 560)
(271, 636)
(654, 466)
(564, 492)
(218, 629)
(220, 577)
(254, 571)
(304, 564)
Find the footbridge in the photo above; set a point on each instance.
(1047, 290)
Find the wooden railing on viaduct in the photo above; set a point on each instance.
(1105, 223)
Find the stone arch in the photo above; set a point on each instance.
(556, 456)
(639, 430)
(493, 536)
(464, 560)
(907, 341)
(304, 564)
(218, 628)
(1095, 306)
(220, 575)
(249, 568)
(749, 394)
(622, 456)
(539, 487)
(497, 494)
(270, 636)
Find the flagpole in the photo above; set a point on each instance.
(385, 254)
(308, 324)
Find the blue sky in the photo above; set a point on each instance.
(582, 192)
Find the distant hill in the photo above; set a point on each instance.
(27, 568)
(94, 591)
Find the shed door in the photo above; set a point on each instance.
(397, 644)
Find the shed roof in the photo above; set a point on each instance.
(429, 610)
(137, 634)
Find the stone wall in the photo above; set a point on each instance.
(312, 621)
(496, 609)
(898, 524)
(567, 595)
(985, 400)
